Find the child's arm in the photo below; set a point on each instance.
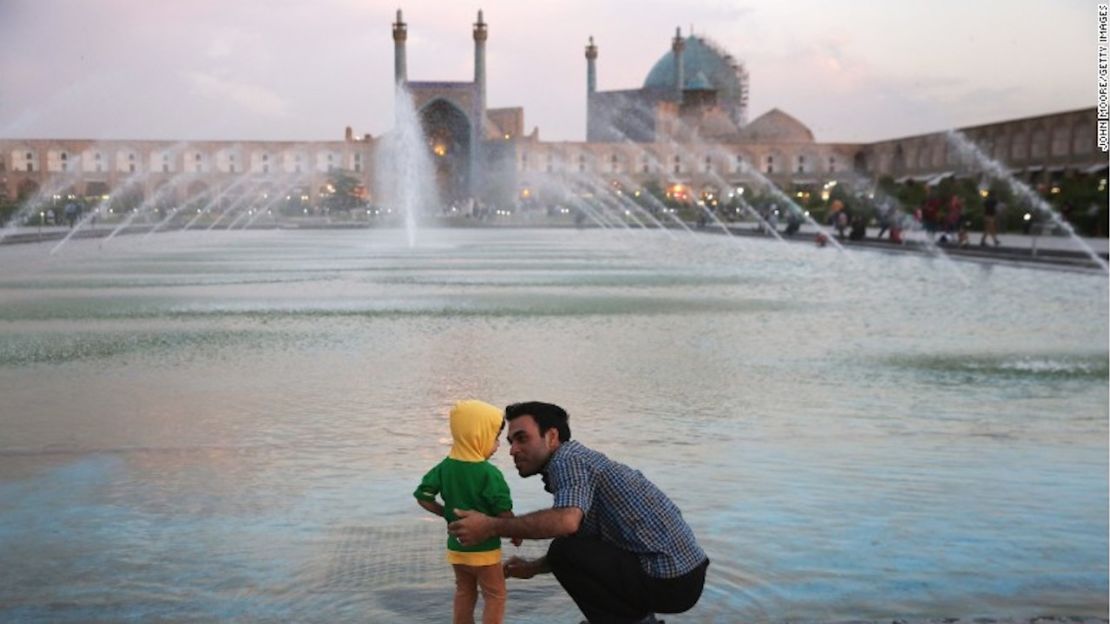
(517, 541)
(433, 506)
(426, 492)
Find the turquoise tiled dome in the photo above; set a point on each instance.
(700, 58)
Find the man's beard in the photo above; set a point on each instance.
(524, 474)
(542, 471)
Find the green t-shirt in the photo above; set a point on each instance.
(477, 486)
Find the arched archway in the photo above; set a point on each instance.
(125, 200)
(95, 190)
(859, 162)
(26, 190)
(196, 187)
(447, 129)
(898, 164)
(164, 197)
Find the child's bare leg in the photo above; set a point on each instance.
(466, 594)
(492, 581)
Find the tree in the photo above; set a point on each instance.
(653, 190)
(8, 208)
(1085, 199)
(345, 192)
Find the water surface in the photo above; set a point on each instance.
(230, 425)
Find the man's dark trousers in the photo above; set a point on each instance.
(610, 587)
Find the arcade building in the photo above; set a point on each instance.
(685, 130)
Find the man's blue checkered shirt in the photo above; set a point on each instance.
(621, 507)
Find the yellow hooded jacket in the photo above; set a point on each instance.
(466, 480)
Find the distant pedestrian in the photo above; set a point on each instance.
(990, 220)
(896, 233)
(1065, 211)
(954, 217)
(859, 228)
(930, 215)
(838, 214)
(793, 223)
(71, 213)
(886, 214)
(773, 220)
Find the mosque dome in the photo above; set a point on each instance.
(775, 126)
(704, 61)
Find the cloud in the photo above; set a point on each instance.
(243, 46)
(251, 98)
(219, 49)
(716, 12)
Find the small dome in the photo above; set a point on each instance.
(776, 126)
(699, 82)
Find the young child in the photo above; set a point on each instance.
(466, 481)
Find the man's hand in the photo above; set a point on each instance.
(471, 527)
(518, 567)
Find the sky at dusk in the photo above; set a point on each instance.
(852, 70)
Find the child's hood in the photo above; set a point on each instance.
(474, 428)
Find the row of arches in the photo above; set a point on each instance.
(1017, 144)
(170, 160)
(714, 159)
(164, 193)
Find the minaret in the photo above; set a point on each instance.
(400, 33)
(677, 46)
(480, 35)
(591, 68)
(478, 127)
(591, 89)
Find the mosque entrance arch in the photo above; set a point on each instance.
(448, 133)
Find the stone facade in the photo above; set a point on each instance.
(87, 167)
(1061, 143)
(1029, 147)
(694, 134)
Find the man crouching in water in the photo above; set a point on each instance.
(621, 549)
